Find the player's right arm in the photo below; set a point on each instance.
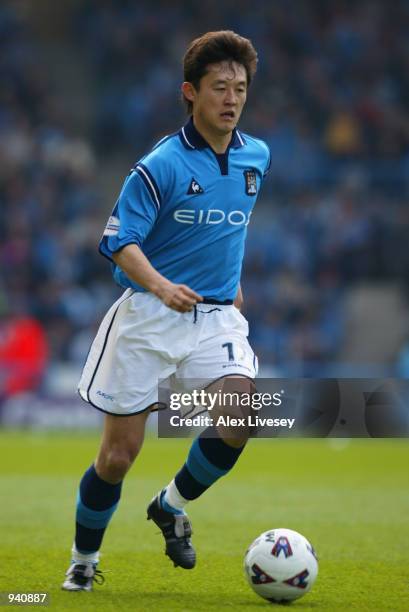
(139, 269)
(133, 217)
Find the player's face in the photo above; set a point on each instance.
(219, 101)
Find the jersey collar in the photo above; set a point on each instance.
(192, 139)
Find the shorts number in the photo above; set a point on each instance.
(229, 346)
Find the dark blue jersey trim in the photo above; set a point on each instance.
(192, 139)
(223, 161)
(148, 172)
(149, 183)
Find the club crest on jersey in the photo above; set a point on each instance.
(282, 544)
(251, 182)
(194, 188)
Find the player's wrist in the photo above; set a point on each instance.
(160, 288)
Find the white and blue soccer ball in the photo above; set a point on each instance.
(281, 565)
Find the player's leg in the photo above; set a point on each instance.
(223, 354)
(99, 494)
(127, 358)
(213, 453)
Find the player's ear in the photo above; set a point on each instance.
(188, 91)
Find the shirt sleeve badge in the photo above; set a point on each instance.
(250, 182)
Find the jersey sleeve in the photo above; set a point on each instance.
(134, 214)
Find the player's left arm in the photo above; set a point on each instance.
(238, 300)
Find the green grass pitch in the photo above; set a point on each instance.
(350, 499)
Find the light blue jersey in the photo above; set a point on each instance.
(188, 208)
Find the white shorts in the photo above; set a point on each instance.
(141, 342)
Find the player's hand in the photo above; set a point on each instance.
(178, 297)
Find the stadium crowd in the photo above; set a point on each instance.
(330, 98)
(47, 199)
(331, 89)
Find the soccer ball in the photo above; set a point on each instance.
(281, 565)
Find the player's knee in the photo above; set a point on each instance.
(119, 461)
(114, 463)
(235, 440)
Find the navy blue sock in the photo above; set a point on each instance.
(209, 458)
(97, 501)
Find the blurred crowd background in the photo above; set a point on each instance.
(86, 87)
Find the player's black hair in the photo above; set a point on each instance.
(214, 47)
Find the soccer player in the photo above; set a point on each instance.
(176, 241)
